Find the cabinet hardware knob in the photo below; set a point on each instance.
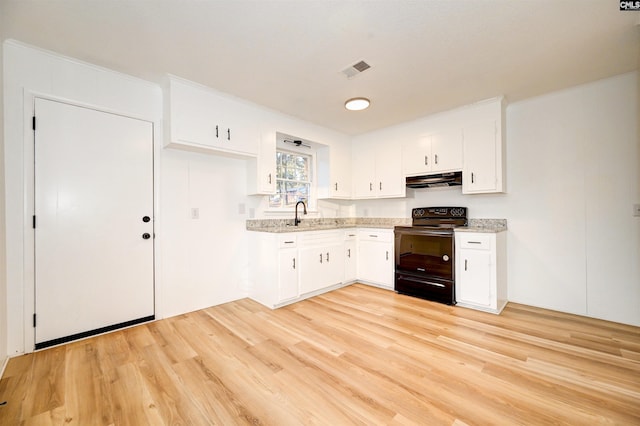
(146, 236)
(370, 186)
(472, 178)
(380, 186)
(465, 264)
(216, 131)
(146, 219)
(228, 134)
(426, 160)
(436, 158)
(327, 256)
(269, 177)
(336, 186)
(387, 254)
(294, 263)
(320, 257)
(349, 253)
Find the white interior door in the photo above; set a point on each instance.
(93, 221)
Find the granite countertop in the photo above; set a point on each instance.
(484, 225)
(286, 225)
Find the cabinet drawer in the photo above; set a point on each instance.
(476, 241)
(287, 240)
(350, 235)
(314, 238)
(375, 235)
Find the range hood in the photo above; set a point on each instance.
(435, 180)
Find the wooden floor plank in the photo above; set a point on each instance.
(356, 355)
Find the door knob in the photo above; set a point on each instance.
(146, 219)
(146, 236)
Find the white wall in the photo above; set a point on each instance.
(204, 260)
(3, 266)
(572, 179)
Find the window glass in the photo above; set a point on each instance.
(293, 179)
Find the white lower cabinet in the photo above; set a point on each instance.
(350, 256)
(273, 272)
(375, 257)
(287, 267)
(287, 274)
(321, 260)
(481, 270)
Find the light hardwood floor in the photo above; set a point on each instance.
(358, 355)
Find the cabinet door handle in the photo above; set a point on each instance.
(228, 134)
(472, 178)
(387, 254)
(465, 264)
(320, 257)
(474, 242)
(289, 242)
(373, 236)
(380, 186)
(336, 186)
(216, 131)
(370, 186)
(349, 253)
(426, 160)
(269, 178)
(436, 158)
(294, 263)
(327, 256)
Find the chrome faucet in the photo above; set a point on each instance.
(296, 221)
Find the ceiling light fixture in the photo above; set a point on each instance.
(357, 104)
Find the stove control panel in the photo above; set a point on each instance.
(439, 212)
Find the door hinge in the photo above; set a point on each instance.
(33, 123)
(34, 320)
(34, 221)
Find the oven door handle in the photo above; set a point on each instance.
(430, 232)
(421, 281)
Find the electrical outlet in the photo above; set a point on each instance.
(195, 213)
(636, 210)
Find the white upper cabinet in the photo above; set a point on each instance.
(261, 171)
(201, 119)
(435, 153)
(377, 169)
(334, 171)
(482, 147)
(446, 150)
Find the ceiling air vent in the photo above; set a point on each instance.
(356, 69)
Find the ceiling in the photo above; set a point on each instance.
(426, 56)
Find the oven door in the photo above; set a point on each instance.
(427, 252)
